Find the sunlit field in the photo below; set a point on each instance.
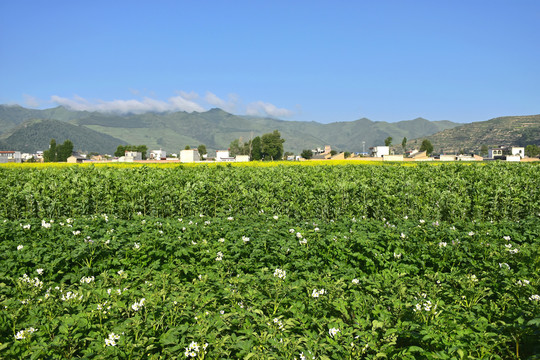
(356, 260)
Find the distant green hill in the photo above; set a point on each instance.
(507, 131)
(34, 135)
(14, 115)
(216, 128)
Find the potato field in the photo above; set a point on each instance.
(433, 261)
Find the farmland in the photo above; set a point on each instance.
(280, 262)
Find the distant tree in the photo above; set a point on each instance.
(426, 146)
(333, 152)
(64, 151)
(50, 154)
(202, 150)
(306, 154)
(532, 150)
(272, 146)
(235, 148)
(58, 152)
(187, 147)
(388, 141)
(256, 148)
(484, 150)
(346, 154)
(120, 151)
(404, 144)
(287, 154)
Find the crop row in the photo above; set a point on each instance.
(444, 192)
(268, 287)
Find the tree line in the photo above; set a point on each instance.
(266, 147)
(58, 153)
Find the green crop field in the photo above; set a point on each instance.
(283, 262)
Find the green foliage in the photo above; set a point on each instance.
(272, 146)
(347, 154)
(388, 141)
(267, 286)
(50, 154)
(306, 154)
(202, 150)
(404, 144)
(426, 146)
(334, 262)
(256, 149)
(64, 151)
(236, 149)
(532, 150)
(269, 147)
(484, 150)
(452, 191)
(58, 153)
(333, 152)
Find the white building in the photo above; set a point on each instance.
(519, 151)
(158, 154)
(494, 152)
(242, 158)
(513, 158)
(223, 155)
(132, 156)
(10, 156)
(380, 151)
(190, 155)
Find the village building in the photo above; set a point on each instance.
(158, 155)
(10, 156)
(495, 153)
(519, 151)
(189, 155)
(131, 156)
(380, 151)
(223, 155)
(242, 158)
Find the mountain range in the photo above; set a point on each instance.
(501, 131)
(30, 130)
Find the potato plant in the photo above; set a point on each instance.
(342, 262)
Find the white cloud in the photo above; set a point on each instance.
(261, 108)
(229, 105)
(31, 101)
(181, 101)
(175, 103)
(189, 95)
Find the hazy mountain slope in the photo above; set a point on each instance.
(35, 135)
(216, 129)
(14, 115)
(507, 130)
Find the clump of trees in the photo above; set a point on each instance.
(201, 149)
(266, 147)
(306, 154)
(532, 150)
(121, 150)
(58, 153)
(426, 146)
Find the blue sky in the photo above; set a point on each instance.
(312, 60)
